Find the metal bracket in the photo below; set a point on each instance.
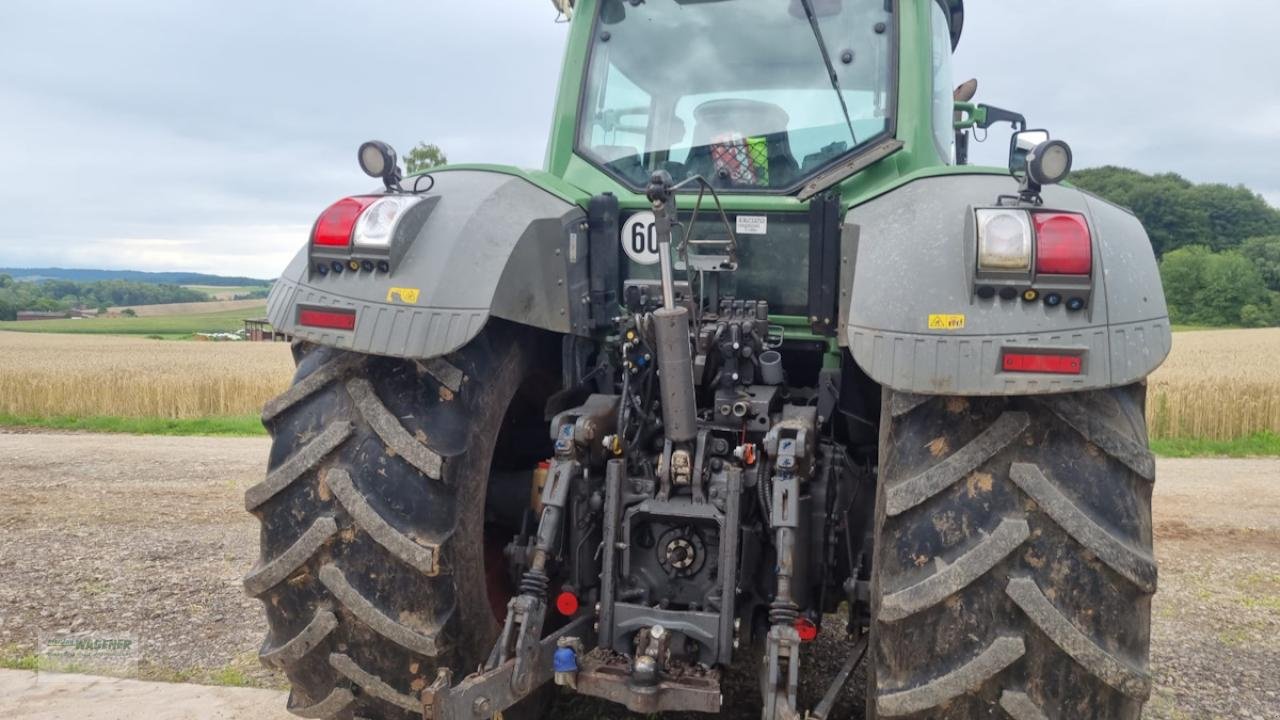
(779, 690)
(485, 694)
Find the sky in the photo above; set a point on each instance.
(207, 136)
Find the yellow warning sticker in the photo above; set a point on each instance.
(408, 296)
(946, 322)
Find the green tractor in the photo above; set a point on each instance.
(755, 354)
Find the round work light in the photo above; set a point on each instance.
(1050, 162)
(377, 159)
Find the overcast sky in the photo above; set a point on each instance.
(187, 135)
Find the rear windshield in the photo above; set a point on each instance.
(735, 91)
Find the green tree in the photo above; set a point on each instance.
(1230, 283)
(1207, 288)
(1182, 272)
(1264, 253)
(1178, 213)
(423, 158)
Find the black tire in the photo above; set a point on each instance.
(1013, 568)
(372, 569)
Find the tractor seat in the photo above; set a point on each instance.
(742, 143)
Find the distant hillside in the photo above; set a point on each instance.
(154, 278)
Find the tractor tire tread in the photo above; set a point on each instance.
(273, 572)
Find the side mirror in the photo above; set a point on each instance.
(1021, 145)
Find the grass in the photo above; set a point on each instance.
(231, 674)
(167, 326)
(1263, 444)
(235, 426)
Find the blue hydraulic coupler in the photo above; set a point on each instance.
(565, 662)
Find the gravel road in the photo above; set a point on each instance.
(146, 537)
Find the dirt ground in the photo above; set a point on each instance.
(146, 537)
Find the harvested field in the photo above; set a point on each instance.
(96, 375)
(225, 292)
(194, 308)
(148, 536)
(169, 326)
(1217, 385)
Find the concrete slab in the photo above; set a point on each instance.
(51, 696)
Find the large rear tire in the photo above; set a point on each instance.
(372, 569)
(1013, 568)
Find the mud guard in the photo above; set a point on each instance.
(493, 244)
(908, 265)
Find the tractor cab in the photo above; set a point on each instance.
(780, 98)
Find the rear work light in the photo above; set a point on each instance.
(1049, 364)
(1063, 244)
(334, 227)
(326, 318)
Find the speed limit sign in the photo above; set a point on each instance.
(640, 238)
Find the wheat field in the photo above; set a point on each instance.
(1216, 385)
(50, 375)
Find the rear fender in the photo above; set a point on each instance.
(912, 257)
(494, 244)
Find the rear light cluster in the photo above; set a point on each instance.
(1020, 252)
(361, 224)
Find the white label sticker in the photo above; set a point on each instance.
(753, 225)
(640, 238)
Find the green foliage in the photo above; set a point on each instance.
(1207, 288)
(1264, 253)
(1178, 213)
(1219, 245)
(423, 158)
(56, 295)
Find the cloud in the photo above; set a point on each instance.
(187, 134)
(204, 123)
(1157, 85)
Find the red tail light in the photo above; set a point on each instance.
(334, 227)
(326, 318)
(567, 604)
(1041, 363)
(1063, 245)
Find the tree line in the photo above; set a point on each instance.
(1218, 245)
(62, 295)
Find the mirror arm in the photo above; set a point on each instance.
(984, 116)
(993, 115)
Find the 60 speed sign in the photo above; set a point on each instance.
(640, 238)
